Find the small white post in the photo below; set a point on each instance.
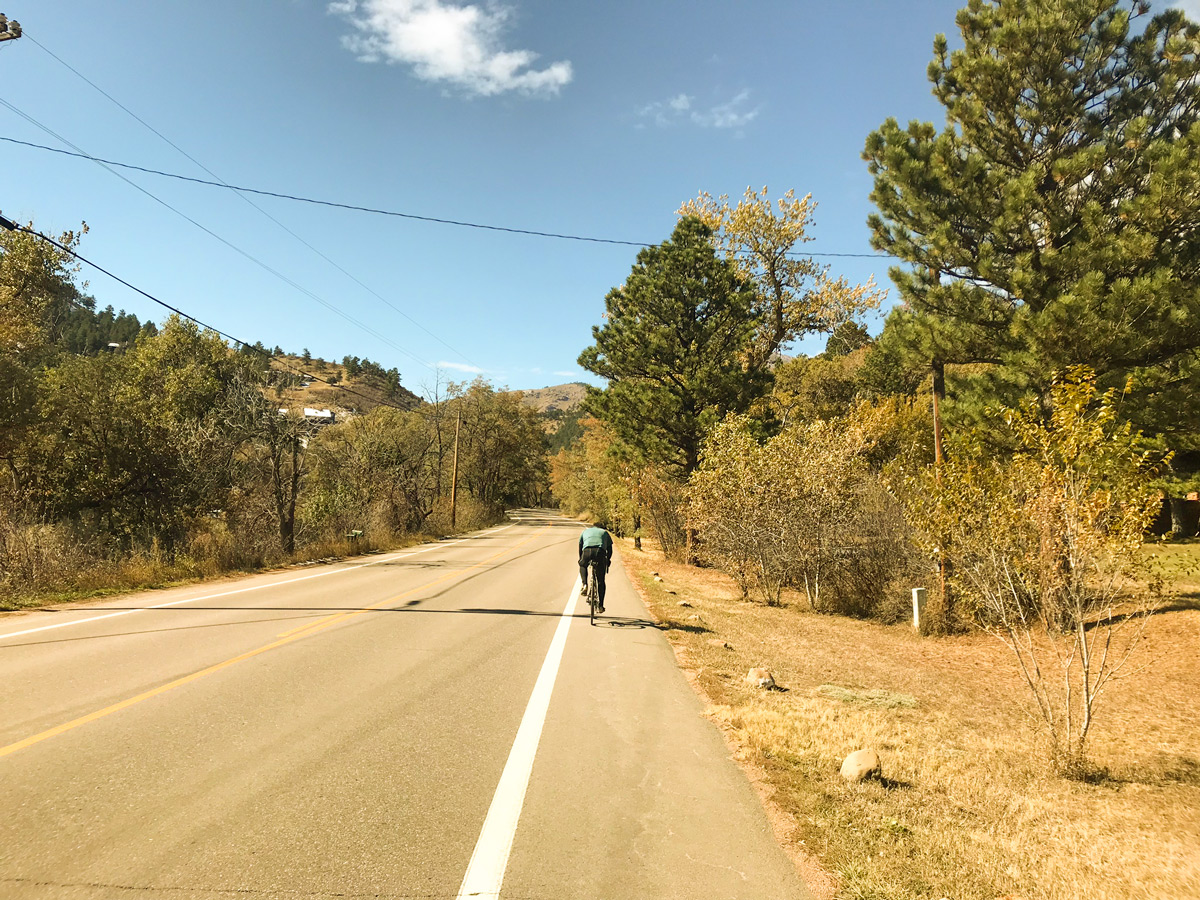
(918, 606)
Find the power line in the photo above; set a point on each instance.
(381, 212)
(226, 184)
(13, 226)
(285, 279)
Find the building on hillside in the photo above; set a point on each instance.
(314, 416)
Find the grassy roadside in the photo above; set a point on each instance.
(966, 809)
(147, 572)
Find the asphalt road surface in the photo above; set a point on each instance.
(437, 722)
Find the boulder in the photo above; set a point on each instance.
(861, 765)
(760, 678)
(717, 642)
(683, 602)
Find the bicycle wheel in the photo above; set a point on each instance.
(593, 592)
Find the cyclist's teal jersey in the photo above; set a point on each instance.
(596, 537)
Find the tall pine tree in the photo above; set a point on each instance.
(1055, 219)
(673, 349)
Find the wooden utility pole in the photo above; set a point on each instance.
(939, 394)
(9, 31)
(454, 475)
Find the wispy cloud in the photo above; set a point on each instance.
(680, 109)
(733, 114)
(666, 112)
(460, 367)
(447, 42)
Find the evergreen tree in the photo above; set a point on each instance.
(673, 348)
(1053, 220)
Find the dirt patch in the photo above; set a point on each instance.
(966, 808)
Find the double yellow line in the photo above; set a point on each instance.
(286, 637)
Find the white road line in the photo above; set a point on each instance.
(258, 587)
(485, 873)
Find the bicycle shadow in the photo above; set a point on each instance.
(603, 621)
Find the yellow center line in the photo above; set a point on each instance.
(285, 638)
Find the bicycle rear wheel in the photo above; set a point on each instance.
(593, 591)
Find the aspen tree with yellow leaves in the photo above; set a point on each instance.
(794, 294)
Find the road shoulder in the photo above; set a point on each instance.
(821, 883)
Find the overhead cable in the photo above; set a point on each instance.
(376, 211)
(241, 194)
(256, 348)
(272, 271)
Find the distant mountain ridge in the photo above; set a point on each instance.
(556, 398)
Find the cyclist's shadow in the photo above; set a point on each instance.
(622, 622)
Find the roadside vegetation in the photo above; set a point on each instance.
(1012, 444)
(134, 456)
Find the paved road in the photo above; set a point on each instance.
(439, 722)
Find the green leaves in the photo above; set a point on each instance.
(673, 347)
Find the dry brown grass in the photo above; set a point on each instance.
(92, 578)
(967, 807)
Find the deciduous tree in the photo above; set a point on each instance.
(1044, 549)
(794, 294)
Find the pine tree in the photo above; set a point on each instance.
(1054, 220)
(673, 349)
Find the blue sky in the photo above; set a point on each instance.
(589, 119)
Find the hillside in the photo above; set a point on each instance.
(355, 389)
(557, 398)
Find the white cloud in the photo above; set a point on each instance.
(666, 112)
(1191, 7)
(459, 367)
(447, 42)
(734, 113)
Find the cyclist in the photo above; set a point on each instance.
(595, 544)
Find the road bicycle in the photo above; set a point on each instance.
(593, 588)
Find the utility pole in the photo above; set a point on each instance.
(9, 31)
(939, 394)
(454, 475)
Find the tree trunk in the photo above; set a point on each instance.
(1178, 516)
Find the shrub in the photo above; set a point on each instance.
(1043, 549)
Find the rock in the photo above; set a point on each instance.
(760, 678)
(669, 591)
(685, 603)
(717, 642)
(695, 618)
(861, 765)
(658, 577)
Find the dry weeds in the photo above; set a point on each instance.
(967, 808)
(91, 578)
